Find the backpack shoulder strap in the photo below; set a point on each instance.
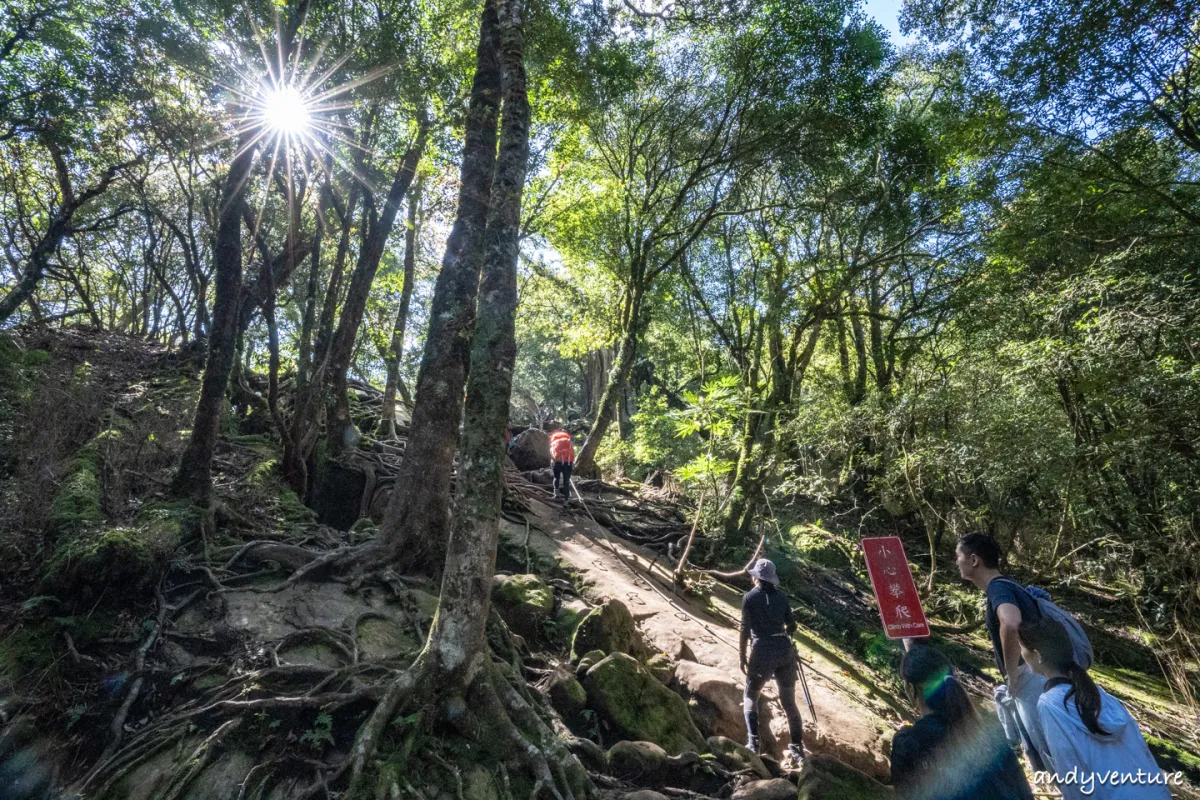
(1019, 586)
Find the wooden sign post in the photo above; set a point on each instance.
(895, 590)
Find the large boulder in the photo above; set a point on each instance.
(524, 602)
(633, 702)
(609, 628)
(715, 703)
(530, 450)
(826, 778)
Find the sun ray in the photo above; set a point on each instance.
(374, 74)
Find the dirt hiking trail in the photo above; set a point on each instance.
(851, 725)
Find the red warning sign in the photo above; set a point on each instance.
(895, 591)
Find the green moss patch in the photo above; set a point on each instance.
(1174, 758)
(632, 700)
(818, 546)
(79, 499)
(117, 560)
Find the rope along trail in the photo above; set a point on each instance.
(648, 580)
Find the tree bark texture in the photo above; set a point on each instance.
(457, 640)
(194, 478)
(415, 528)
(304, 356)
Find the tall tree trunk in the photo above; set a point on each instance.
(585, 462)
(457, 641)
(883, 375)
(739, 512)
(415, 528)
(306, 423)
(194, 477)
(304, 355)
(337, 420)
(387, 417)
(859, 392)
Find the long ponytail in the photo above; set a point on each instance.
(1087, 698)
(1050, 639)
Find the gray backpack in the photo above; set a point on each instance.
(1079, 640)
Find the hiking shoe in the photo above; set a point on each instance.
(752, 745)
(793, 759)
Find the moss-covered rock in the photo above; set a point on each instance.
(479, 784)
(736, 757)
(826, 778)
(661, 667)
(566, 694)
(119, 559)
(609, 628)
(589, 660)
(566, 620)
(638, 762)
(818, 546)
(633, 702)
(524, 602)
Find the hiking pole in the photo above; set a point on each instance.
(804, 685)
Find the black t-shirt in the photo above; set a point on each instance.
(926, 764)
(765, 612)
(1003, 590)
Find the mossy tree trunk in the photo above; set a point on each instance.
(415, 528)
(788, 357)
(194, 477)
(471, 557)
(618, 378)
(471, 690)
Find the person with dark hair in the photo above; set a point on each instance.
(768, 623)
(1088, 732)
(1008, 605)
(949, 753)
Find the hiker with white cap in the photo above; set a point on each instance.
(768, 625)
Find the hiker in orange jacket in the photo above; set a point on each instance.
(562, 456)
